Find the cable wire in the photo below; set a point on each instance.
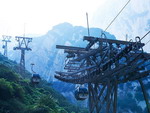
(117, 15)
(147, 42)
(145, 35)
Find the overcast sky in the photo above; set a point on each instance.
(38, 16)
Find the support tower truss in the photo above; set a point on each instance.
(23, 45)
(103, 64)
(5, 40)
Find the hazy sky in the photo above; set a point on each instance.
(38, 16)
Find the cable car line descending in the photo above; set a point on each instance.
(117, 15)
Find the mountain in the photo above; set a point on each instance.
(133, 21)
(19, 95)
(44, 54)
(48, 59)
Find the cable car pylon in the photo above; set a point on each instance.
(103, 68)
(23, 45)
(5, 40)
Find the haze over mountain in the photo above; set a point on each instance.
(134, 20)
(44, 54)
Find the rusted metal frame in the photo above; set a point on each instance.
(145, 95)
(81, 70)
(75, 68)
(120, 68)
(108, 102)
(99, 96)
(109, 54)
(73, 62)
(117, 57)
(74, 81)
(102, 58)
(99, 102)
(102, 103)
(71, 68)
(111, 100)
(91, 43)
(84, 77)
(91, 53)
(78, 80)
(107, 73)
(104, 55)
(115, 97)
(69, 47)
(140, 75)
(134, 68)
(146, 55)
(94, 98)
(96, 95)
(76, 51)
(90, 38)
(83, 63)
(94, 60)
(106, 98)
(90, 99)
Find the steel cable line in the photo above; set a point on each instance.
(145, 35)
(117, 15)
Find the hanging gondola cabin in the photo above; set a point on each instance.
(81, 93)
(35, 78)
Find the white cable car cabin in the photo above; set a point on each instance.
(35, 78)
(81, 93)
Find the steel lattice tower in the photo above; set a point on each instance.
(23, 45)
(5, 40)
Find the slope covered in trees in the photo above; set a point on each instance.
(18, 95)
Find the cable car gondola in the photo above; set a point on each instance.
(35, 78)
(81, 93)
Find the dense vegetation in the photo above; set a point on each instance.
(18, 95)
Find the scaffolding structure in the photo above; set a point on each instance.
(102, 65)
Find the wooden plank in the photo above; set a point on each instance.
(145, 95)
(146, 55)
(115, 97)
(91, 53)
(80, 51)
(81, 70)
(90, 38)
(69, 47)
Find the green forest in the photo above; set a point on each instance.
(19, 95)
